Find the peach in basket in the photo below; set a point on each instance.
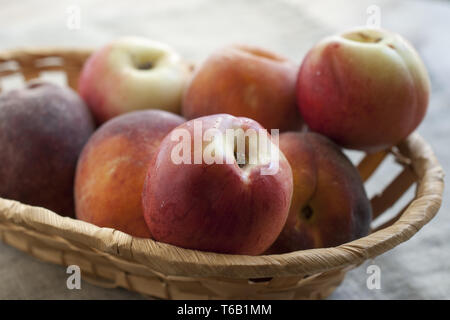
(111, 169)
(43, 128)
(111, 258)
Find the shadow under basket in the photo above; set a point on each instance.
(110, 258)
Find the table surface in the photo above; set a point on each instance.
(417, 269)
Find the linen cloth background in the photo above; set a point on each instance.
(418, 269)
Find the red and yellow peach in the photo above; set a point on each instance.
(365, 89)
(112, 167)
(219, 206)
(329, 204)
(248, 82)
(130, 74)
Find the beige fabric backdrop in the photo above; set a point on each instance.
(419, 268)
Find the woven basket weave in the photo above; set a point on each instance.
(110, 258)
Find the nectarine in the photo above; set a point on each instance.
(234, 204)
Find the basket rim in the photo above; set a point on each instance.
(170, 260)
(31, 52)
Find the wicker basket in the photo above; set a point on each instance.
(110, 258)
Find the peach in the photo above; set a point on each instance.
(43, 128)
(329, 204)
(248, 82)
(111, 170)
(365, 89)
(133, 73)
(235, 202)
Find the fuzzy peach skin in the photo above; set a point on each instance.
(248, 82)
(130, 74)
(112, 167)
(365, 89)
(223, 208)
(43, 128)
(329, 204)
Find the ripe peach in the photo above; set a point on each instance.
(133, 73)
(248, 82)
(365, 89)
(43, 128)
(112, 167)
(329, 204)
(219, 205)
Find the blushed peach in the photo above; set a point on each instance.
(365, 89)
(112, 167)
(329, 204)
(43, 129)
(248, 82)
(218, 206)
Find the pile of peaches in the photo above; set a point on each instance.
(105, 154)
